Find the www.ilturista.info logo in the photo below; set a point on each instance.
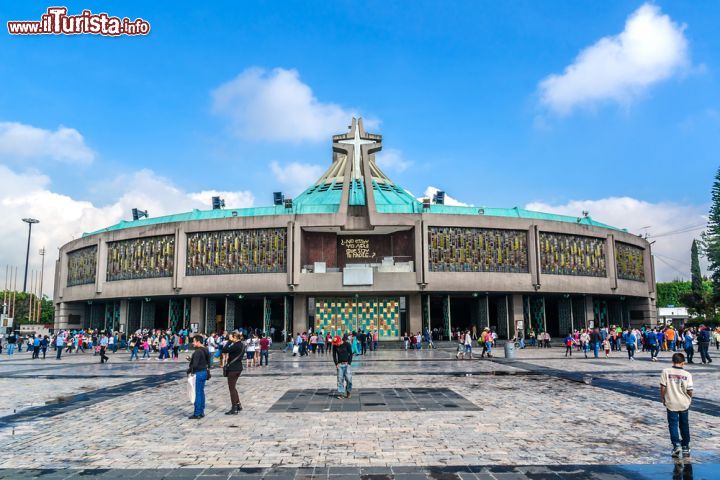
(57, 22)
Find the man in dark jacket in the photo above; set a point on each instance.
(199, 364)
(703, 340)
(342, 356)
(595, 341)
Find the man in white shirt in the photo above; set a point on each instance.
(676, 390)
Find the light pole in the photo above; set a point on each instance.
(30, 222)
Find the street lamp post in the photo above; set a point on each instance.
(30, 222)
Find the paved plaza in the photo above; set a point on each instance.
(417, 414)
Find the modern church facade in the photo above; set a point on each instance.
(356, 251)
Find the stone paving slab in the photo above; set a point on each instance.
(679, 470)
(522, 420)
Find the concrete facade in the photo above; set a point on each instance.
(300, 285)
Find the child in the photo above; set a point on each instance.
(568, 344)
(606, 346)
(146, 348)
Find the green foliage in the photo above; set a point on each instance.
(22, 308)
(674, 293)
(711, 239)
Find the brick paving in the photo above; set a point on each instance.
(77, 415)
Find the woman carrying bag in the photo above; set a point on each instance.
(233, 367)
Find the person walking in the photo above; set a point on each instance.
(103, 348)
(652, 341)
(688, 345)
(134, 349)
(199, 365)
(233, 367)
(568, 344)
(585, 342)
(342, 356)
(703, 340)
(468, 345)
(676, 390)
(630, 345)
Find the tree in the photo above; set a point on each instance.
(22, 308)
(695, 299)
(711, 239)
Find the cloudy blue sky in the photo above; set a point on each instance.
(611, 107)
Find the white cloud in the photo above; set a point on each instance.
(19, 142)
(392, 160)
(63, 218)
(296, 177)
(672, 252)
(431, 191)
(651, 48)
(277, 106)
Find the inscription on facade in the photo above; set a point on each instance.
(357, 248)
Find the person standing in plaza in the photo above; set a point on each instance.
(265, 348)
(342, 356)
(59, 345)
(596, 340)
(199, 365)
(36, 347)
(44, 345)
(703, 340)
(676, 390)
(671, 335)
(233, 367)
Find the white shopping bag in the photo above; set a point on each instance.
(296, 349)
(191, 387)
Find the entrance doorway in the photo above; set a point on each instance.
(463, 313)
(552, 316)
(249, 314)
(437, 322)
(161, 317)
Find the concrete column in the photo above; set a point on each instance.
(101, 267)
(414, 313)
(419, 258)
(516, 316)
(124, 316)
(296, 255)
(197, 312)
(180, 258)
(533, 254)
(589, 311)
(300, 314)
(610, 263)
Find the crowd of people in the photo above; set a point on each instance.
(652, 340)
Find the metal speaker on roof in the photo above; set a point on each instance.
(440, 197)
(218, 203)
(288, 203)
(137, 214)
(278, 198)
(426, 203)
